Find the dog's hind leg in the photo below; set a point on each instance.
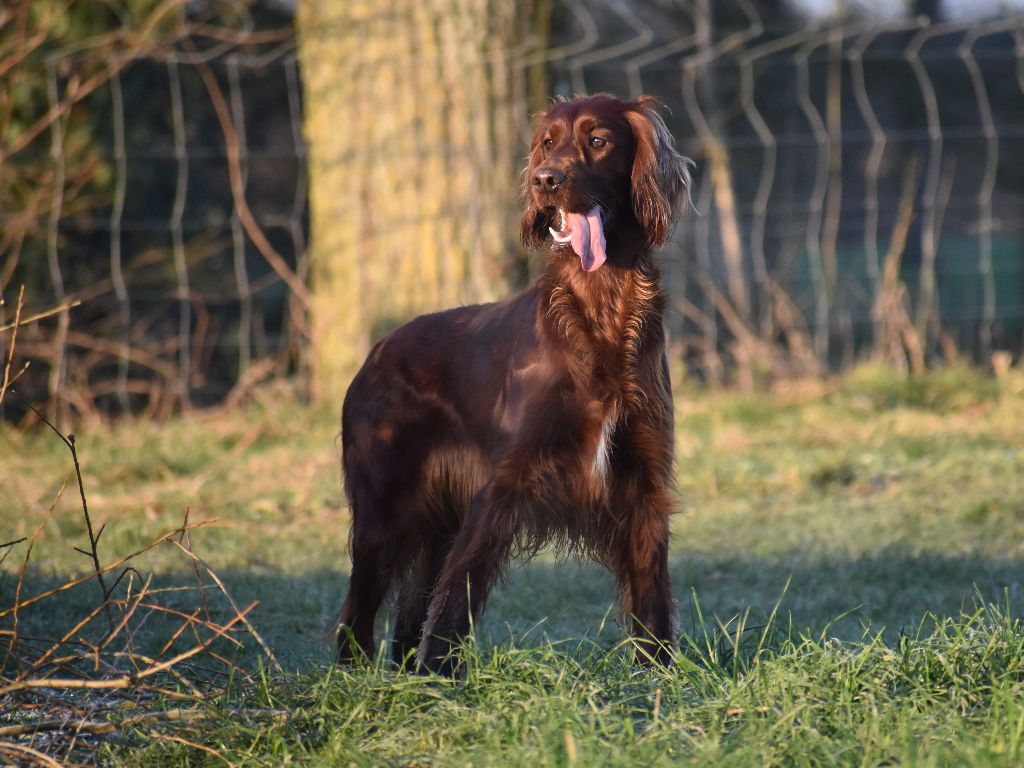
(379, 549)
(414, 599)
(473, 565)
(373, 567)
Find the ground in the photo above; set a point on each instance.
(846, 558)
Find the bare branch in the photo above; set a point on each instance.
(105, 727)
(129, 680)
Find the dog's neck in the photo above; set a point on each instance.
(604, 318)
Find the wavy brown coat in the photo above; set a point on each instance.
(485, 432)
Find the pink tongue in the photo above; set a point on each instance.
(587, 233)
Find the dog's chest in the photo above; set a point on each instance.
(602, 453)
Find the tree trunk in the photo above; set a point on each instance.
(414, 144)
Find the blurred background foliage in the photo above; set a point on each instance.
(235, 190)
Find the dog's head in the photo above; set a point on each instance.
(600, 166)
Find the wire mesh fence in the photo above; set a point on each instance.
(180, 296)
(860, 191)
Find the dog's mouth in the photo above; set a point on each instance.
(585, 233)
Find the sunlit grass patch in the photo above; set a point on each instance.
(738, 695)
(831, 545)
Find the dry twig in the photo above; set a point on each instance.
(105, 727)
(7, 381)
(127, 680)
(106, 569)
(23, 751)
(38, 315)
(94, 537)
(224, 591)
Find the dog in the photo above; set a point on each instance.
(481, 434)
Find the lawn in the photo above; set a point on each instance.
(847, 559)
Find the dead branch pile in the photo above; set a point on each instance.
(144, 655)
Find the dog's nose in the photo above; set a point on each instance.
(548, 179)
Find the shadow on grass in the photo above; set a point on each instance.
(549, 601)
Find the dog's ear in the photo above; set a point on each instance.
(532, 228)
(660, 176)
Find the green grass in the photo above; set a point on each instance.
(939, 698)
(847, 560)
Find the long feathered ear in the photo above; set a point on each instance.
(531, 228)
(661, 176)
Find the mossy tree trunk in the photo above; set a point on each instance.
(413, 118)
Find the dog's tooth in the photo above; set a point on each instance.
(558, 237)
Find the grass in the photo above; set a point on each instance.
(941, 698)
(847, 560)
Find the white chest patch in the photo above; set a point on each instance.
(600, 464)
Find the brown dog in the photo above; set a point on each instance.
(482, 432)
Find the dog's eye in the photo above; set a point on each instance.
(597, 142)
(548, 142)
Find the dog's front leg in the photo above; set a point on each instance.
(642, 572)
(473, 564)
(642, 498)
